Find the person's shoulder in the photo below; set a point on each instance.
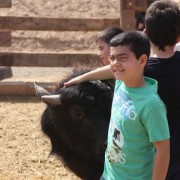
(154, 102)
(159, 60)
(176, 55)
(178, 52)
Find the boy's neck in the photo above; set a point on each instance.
(136, 84)
(156, 52)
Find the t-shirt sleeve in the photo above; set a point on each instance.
(156, 123)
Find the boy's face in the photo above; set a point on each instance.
(104, 51)
(125, 66)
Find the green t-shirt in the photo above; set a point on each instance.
(138, 118)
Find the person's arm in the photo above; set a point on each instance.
(101, 73)
(161, 161)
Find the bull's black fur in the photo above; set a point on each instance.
(78, 127)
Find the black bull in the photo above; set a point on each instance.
(76, 120)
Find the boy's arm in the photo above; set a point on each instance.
(161, 161)
(101, 73)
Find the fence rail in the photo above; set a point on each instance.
(48, 59)
(56, 24)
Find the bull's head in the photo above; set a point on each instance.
(76, 120)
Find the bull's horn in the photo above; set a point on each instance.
(51, 99)
(40, 91)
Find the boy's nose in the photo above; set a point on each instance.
(115, 61)
(99, 53)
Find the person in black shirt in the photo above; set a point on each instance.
(162, 21)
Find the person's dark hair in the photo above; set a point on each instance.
(137, 41)
(107, 34)
(162, 21)
(140, 20)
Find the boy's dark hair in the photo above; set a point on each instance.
(137, 41)
(107, 34)
(162, 21)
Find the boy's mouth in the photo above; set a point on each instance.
(118, 70)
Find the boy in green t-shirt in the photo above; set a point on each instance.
(138, 136)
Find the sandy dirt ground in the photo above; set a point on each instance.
(24, 149)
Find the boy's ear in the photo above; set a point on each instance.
(143, 60)
(145, 31)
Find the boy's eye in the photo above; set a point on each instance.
(120, 58)
(101, 48)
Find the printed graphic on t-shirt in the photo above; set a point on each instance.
(122, 113)
(115, 152)
(123, 107)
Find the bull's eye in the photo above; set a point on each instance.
(77, 113)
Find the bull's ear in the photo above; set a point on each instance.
(77, 113)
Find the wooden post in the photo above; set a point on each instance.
(5, 3)
(5, 40)
(128, 8)
(5, 36)
(140, 5)
(127, 14)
